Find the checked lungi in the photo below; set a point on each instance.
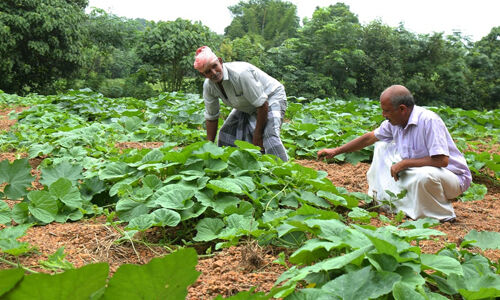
(241, 126)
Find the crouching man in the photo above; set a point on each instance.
(414, 152)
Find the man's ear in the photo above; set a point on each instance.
(403, 108)
(220, 60)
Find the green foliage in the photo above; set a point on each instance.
(161, 278)
(483, 239)
(383, 263)
(273, 20)
(9, 240)
(40, 42)
(169, 48)
(18, 177)
(221, 195)
(57, 261)
(166, 277)
(474, 193)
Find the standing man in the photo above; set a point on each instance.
(422, 158)
(258, 102)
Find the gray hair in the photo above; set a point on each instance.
(405, 99)
(398, 95)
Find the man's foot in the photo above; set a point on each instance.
(448, 220)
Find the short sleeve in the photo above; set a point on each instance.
(384, 132)
(436, 136)
(212, 105)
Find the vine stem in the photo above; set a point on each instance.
(17, 265)
(269, 202)
(129, 238)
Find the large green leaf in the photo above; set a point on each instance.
(441, 263)
(162, 278)
(226, 185)
(209, 150)
(479, 281)
(152, 181)
(174, 196)
(483, 239)
(63, 190)
(208, 229)
(365, 283)
(5, 213)
(62, 170)
(241, 162)
(72, 284)
(293, 275)
(8, 239)
(215, 165)
(128, 209)
(116, 170)
(402, 291)
(420, 223)
(141, 223)
(311, 198)
(17, 176)
(238, 225)
(409, 276)
(166, 217)
(43, 206)
(313, 250)
(221, 203)
(20, 213)
(9, 278)
(335, 199)
(40, 149)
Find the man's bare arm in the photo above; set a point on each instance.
(260, 125)
(359, 143)
(212, 126)
(439, 161)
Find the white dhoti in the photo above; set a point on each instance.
(428, 188)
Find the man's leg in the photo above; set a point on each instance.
(379, 175)
(272, 140)
(429, 189)
(228, 133)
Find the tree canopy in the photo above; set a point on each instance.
(49, 46)
(40, 42)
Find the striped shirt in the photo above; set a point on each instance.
(426, 135)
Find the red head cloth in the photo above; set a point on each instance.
(203, 56)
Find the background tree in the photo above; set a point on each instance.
(274, 20)
(170, 46)
(484, 61)
(383, 64)
(40, 42)
(436, 70)
(330, 43)
(110, 52)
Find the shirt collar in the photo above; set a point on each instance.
(225, 75)
(413, 120)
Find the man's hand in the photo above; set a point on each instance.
(396, 168)
(328, 153)
(258, 140)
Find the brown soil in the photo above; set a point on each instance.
(234, 269)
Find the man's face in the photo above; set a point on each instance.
(213, 71)
(395, 115)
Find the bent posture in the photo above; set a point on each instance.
(258, 102)
(415, 152)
